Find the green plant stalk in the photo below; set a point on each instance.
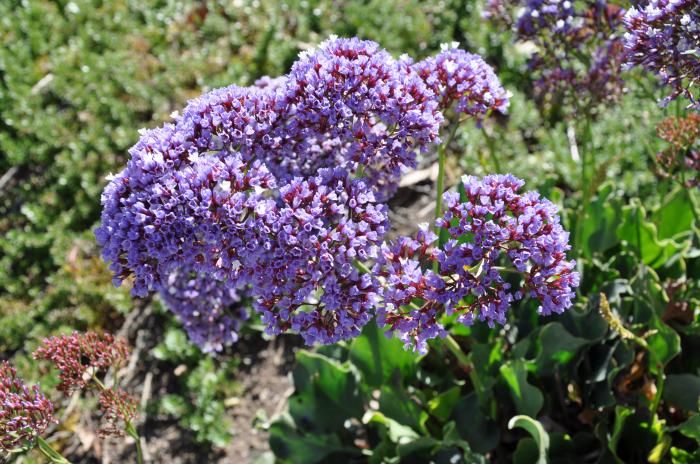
(587, 157)
(48, 451)
(442, 159)
(492, 150)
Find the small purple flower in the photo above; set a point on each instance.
(24, 412)
(664, 37)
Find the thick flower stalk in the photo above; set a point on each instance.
(25, 413)
(664, 37)
(81, 356)
(496, 234)
(579, 47)
(277, 188)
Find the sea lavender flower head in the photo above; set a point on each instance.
(25, 413)
(80, 356)
(307, 281)
(209, 309)
(495, 233)
(579, 48)
(257, 186)
(457, 76)
(663, 36)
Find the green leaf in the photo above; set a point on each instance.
(682, 390)
(556, 348)
(675, 216)
(600, 224)
(379, 358)
(643, 237)
(535, 429)
(326, 393)
(691, 428)
(477, 429)
(398, 405)
(621, 415)
(442, 405)
(664, 345)
(397, 433)
(527, 398)
(291, 445)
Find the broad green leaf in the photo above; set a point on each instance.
(397, 433)
(398, 405)
(691, 428)
(290, 445)
(664, 345)
(477, 429)
(527, 398)
(534, 428)
(682, 390)
(621, 415)
(556, 348)
(601, 221)
(642, 236)
(326, 393)
(442, 405)
(674, 216)
(378, 357)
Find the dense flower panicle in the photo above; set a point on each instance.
(457, 76)
(580, 49)
(681, 160)
(25, 413)
(307, 281)
(494, 225)
(400, 266)
(202, 216)
(208, 308)
(255, 187)
(80, 355)
(664, 37)
(119, 408)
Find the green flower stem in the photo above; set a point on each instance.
(442, 159)
(53, 455)
(492, 150)
(133, 433)
(456, 350)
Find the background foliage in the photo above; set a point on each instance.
(79, 78)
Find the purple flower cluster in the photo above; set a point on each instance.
(492, 226)
(580, 51)
(276, 188)
(206, 307)
(664, 37)
(24, 412)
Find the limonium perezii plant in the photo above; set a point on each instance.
(279, 191)
(663, 36)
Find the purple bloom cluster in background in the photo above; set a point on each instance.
(24, 412)
(579, 47)
(277, 190)
(492, 226)
(664, 37)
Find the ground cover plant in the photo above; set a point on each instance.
(468, 235)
